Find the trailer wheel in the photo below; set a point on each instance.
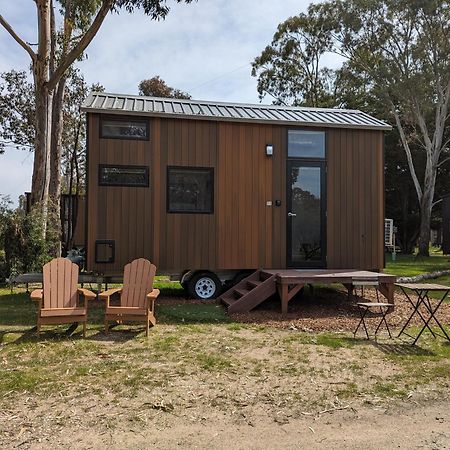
(204, 286)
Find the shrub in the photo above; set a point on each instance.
(22, 240)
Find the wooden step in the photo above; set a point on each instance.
(228, 300)
(249, 292)
(241, 292)
(264, 275)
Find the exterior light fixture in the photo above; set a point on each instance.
(269, 150)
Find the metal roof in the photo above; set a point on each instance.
(101, 102)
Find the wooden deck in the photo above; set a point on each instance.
(290, 281)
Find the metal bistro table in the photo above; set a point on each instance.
(422, 290)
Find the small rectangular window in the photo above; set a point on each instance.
(134, 176)
(105, 251)
(190, 190)
(124, 129)
(306, 144)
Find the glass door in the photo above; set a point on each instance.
(306, 213)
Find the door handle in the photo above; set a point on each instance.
(290, 214)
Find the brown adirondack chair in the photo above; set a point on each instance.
(59, 299)
(137, 297)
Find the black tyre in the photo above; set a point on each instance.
(204, 286)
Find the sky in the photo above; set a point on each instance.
(204, 48)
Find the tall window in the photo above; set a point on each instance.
(306, 144)
(136, 176)
(190, 190)
(124, 129)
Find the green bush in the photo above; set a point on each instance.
(22, 240)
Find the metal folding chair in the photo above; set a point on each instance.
(365, 307)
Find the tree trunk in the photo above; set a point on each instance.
(41, 167)
(426, 205)
(55, 161)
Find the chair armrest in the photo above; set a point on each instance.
(151, 298)
(106, 294)
(88, 295)
(37, 295)
(153, 295)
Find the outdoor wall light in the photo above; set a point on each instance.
(269, 150)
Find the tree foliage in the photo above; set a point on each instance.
(157, 87)
(290, 71)
(17, 111)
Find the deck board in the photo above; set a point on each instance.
(289, 281)
(327, 276)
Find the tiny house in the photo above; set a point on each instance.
(209, 191)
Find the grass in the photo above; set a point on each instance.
(197, 345)
(411, 265)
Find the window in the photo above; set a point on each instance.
(124, 129)
(105, 251)
(190, 190)
(306, 144)
(136, 176)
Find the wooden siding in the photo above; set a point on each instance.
(243, 232)
(355, 205)
(122, 214)
(185, 240)
(247, 227)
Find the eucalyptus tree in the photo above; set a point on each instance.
(290, 69)
(157, 87)
(56, 51)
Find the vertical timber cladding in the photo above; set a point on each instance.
(249, 230)
(185, 240)
(121, 214)
(355, 205)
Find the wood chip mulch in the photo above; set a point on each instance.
(331, 310)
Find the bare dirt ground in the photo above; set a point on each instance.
(409, 426)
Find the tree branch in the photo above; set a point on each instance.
(20, 41)
(408, 153)
(81, 45)
(436, 202)
(443, 161)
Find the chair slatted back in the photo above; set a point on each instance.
(137, 283)
(60, 284)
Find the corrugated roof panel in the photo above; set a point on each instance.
(108, 102)
(222, 111)
(195, 109)
(103, 102)
(139, 105)
(235, 112)
(295, 115)
(157, 106)
(177, 107)
(249, 112)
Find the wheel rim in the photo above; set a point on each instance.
(205, 287)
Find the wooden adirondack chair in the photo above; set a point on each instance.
(59, 298)
(137, 297)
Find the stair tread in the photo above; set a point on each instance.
(242, 292)
(228, 300)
